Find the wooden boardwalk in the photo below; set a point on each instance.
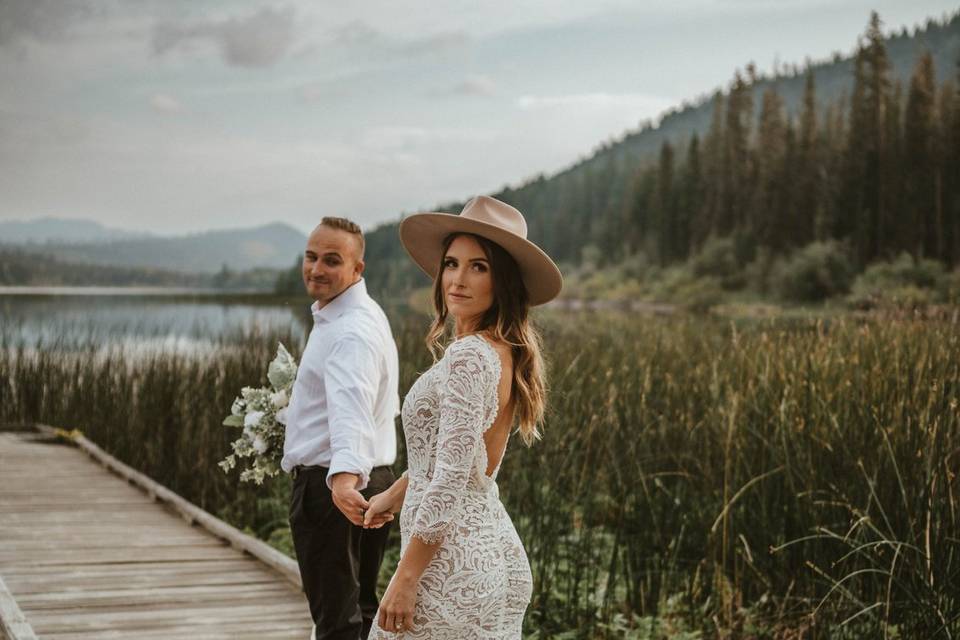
(86, 555)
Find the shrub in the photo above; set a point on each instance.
(905, 283)
(757, 272)
(718, 258)
(819, 271)
(700, 295)
(951, 287)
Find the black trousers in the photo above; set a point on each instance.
(339, 561)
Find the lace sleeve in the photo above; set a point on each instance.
(460, 433)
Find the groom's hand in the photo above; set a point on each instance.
(347, 498)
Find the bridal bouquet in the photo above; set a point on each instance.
(261, 413)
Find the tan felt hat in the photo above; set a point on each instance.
(422, 235)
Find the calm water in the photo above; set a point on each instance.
(167, 319)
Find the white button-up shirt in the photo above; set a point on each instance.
(345, 397)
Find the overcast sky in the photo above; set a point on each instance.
(184, 115)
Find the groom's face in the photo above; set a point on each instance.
(331, 263)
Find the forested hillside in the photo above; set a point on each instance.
(24, 268)
(860, 155)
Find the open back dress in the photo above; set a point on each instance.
(478, 585)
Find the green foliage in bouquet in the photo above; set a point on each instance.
(261, 414)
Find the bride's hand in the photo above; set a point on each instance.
(379, 512)
(397, 605)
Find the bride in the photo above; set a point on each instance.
(463, 573)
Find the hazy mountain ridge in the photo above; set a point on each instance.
(273, 246)
(61, 230)
(23, 268)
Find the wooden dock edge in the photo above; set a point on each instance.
(282, 564)
(13, 624)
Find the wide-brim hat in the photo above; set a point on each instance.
(422, 235)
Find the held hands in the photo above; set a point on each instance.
(347, 498)
(380, 510)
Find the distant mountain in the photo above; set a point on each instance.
(272, 246)
(64, 230)
(20, 267)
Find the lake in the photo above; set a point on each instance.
(163, 318)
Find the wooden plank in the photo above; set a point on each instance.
(267, 554)
(25, 581)
(112, 556)
(93, 552)
(138, 540)
(88, 619)
(13, 624)
(152, 597)
(220, 630)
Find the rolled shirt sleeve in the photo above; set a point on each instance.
(351, 376)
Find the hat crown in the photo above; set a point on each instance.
(500, 214)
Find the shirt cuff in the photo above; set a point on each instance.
(347, 462)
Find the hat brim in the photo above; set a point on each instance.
(422, 235)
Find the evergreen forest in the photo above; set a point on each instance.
(781, 195)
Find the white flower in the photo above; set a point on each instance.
(262, 413)
(279, 399)
(253, 418)
(283, 370)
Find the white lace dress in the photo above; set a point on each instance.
(478, 584)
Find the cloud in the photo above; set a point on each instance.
(361, 35)
(258, 40)
(393, 138)
(594, 101)
(434, 43)
(476, 85)
(358, 33)
(165, 103)
(415, 140)
(39, 19)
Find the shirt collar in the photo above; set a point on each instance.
(348, 298)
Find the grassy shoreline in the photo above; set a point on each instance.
(699, 477)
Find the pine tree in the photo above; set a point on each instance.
(806, 195)
(920, 163)
(878, 85)
(833, 213)
(643, 193)
(664, 207)
(694, 224)
(889, 234)
(769, 224)
(865, 219)
(952, 178)
(851, 205)
(737, 166)
(710, 215)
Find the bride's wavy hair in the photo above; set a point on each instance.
(507, 320)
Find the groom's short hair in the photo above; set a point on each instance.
(343, 224)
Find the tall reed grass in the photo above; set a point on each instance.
(696, 479)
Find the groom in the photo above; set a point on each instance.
(340, 435)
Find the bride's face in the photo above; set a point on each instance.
(467, 281)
